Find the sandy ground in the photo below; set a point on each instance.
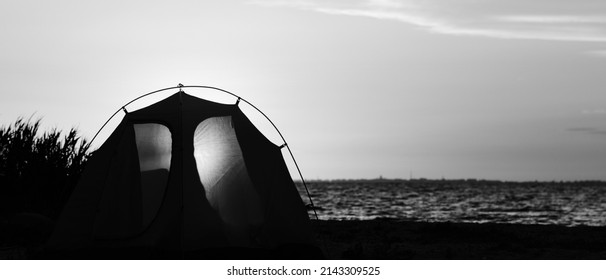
(389, 239)
(385, 239)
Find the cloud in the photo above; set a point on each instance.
(598, 53)
(555, 20)
(581, 129)
(588, 130)
(594, 112)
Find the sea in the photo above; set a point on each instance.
(461, 201)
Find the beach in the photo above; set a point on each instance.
(388, 239)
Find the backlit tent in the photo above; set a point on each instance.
(183, 176)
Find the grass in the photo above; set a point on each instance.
(38, 170)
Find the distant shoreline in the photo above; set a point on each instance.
(457, 181)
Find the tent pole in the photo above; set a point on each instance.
(103, 126)
(303, 181)
(182, 216)
(123, 108)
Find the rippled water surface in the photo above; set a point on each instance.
(569, 204)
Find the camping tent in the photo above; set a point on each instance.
(182, 176)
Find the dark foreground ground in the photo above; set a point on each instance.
(389, 239)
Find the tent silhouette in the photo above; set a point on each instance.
(184, 178)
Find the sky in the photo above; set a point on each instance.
(507, 90)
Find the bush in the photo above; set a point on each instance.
(38, 171)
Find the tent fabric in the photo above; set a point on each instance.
(181, 175)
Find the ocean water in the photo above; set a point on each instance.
(568, 204)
